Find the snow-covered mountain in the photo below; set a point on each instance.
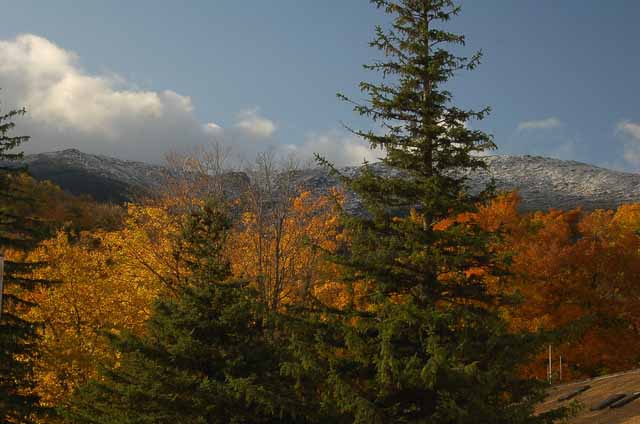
(542, 182)
(103, 178)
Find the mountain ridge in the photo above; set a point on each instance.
(542, 182)
(104, 178)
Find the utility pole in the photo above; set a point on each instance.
(1, 279)
(549, 367)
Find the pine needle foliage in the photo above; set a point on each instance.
(426, 343)
(18, 337)
(209, 355)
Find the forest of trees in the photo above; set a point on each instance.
(434, 306)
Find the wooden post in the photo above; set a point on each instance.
(549, 368)
(560, 367)
(1, 280)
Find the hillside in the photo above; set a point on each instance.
(106, 179)
(542, 182)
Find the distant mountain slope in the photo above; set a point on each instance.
(542, 182)
(104, 178)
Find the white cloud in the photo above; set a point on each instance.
(339, 148)
(213, 129)
(629, 128)
(632, 142)
(252, 124)
(542, 124)
(69, 107)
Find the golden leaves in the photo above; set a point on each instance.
(105, 282)
(282, 254)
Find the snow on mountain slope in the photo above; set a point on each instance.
(102, 177)
(542, 182)
(129, 172)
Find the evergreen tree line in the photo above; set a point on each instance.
(18, 336)
(430, 346)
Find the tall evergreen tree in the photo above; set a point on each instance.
(430, 345)
(209, 355)
(18, 337)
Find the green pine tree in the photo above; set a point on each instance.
(18, 337)
(430, 347)
(209, 355)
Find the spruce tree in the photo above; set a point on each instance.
(430, 345)
(18, 337)
(209, 355)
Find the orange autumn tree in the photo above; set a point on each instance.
(575, 273)
(604, 264)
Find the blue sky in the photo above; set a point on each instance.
(136, 79)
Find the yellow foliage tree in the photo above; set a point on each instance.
(283, 257)
(150, 244)
(94, 295)
(106, 281)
